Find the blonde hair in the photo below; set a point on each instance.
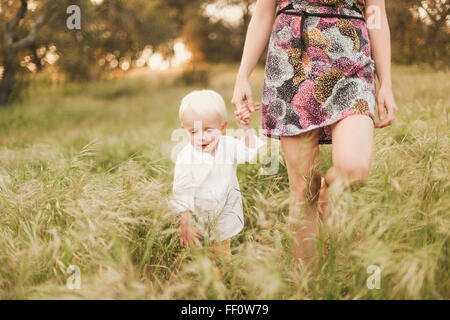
(204, 103)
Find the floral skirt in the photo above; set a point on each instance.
(318, 71)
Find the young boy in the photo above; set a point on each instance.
(206, 192)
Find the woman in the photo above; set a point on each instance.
(319, 82)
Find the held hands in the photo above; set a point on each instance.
(243, 112)
(188, 233)
(242, 93)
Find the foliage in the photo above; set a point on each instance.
(420, 31)
(194, 76)
(112, 31)
(84, 181)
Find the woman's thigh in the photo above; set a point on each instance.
(301, 154)
(352, 146)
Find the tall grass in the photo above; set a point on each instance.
(85, 173)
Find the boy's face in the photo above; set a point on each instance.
(204, 131)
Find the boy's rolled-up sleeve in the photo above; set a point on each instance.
(183, 189)
(247, 154)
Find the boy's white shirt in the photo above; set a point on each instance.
(208, 186)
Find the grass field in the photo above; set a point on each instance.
(85, 171)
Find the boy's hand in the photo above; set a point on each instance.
(243, 112)
(188, 233)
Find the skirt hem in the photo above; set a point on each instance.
(322, 127)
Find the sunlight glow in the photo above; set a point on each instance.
(51, 56)
(422, 13)
(125, 65)
(114, 63)
(182, 55)
(230, 14)
(142, 60)
(156, 61)
(32, 5)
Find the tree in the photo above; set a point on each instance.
(15, 41)
(419, 31)
(112, 32)
(215, 40)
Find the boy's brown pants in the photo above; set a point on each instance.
(220, 249)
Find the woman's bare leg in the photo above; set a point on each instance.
(351, 153)
(301, 156)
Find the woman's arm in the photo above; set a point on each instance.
(380, 38)
(258, 33)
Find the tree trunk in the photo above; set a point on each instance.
(9, 75)
(12, 49)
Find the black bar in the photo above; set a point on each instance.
(223, 309)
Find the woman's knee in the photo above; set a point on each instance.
(307, 187)
(357, 172)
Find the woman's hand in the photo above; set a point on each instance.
(188, 233)
(242, 100)
(386, 101)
